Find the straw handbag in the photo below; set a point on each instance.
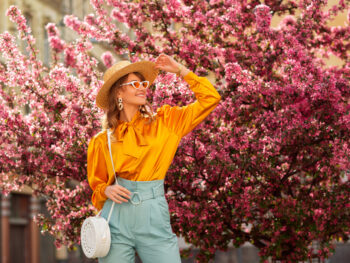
(95, 233)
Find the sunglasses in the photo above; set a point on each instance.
(137, 84)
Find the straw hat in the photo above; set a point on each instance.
(118, 70)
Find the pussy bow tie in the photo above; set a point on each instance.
(132, 138)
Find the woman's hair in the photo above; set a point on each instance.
(112, 116)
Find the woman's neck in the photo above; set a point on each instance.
(128, 113)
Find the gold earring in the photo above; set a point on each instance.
(142, 109)
(120, 104)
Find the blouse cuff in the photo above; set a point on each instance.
(190, 78)
(102, 191)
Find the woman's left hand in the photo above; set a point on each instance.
(167, 63)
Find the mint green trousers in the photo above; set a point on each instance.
(142, 224)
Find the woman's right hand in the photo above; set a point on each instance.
(117, 192)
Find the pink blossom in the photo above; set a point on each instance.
(263, 17)
(56, 43)
(108, 59)
(52, 30)
(118, 15)
(90, 19)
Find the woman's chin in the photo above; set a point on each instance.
(142, 100)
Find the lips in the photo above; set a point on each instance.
(141, 95)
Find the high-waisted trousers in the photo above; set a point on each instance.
(141, 224)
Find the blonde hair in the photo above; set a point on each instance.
(111, 118)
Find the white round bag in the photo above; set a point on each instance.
(95, 237)
(95, 234)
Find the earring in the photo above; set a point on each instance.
(120, 104)
(142, 110)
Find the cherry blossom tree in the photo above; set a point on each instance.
(269, 165)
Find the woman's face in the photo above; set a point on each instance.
(129, 94)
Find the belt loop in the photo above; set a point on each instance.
(156, 190)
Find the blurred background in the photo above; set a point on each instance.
(21, 240)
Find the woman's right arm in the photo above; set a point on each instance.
(97, 172)
(98, 177)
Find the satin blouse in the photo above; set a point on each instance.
(144, 152)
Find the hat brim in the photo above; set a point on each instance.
(146, 68)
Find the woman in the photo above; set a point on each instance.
(143, 148)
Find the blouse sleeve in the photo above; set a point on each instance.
(182, 120)
(97, 172)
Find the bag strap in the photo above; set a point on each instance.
(116, 180)
(110, 152)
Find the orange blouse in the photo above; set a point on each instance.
(144, 152)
